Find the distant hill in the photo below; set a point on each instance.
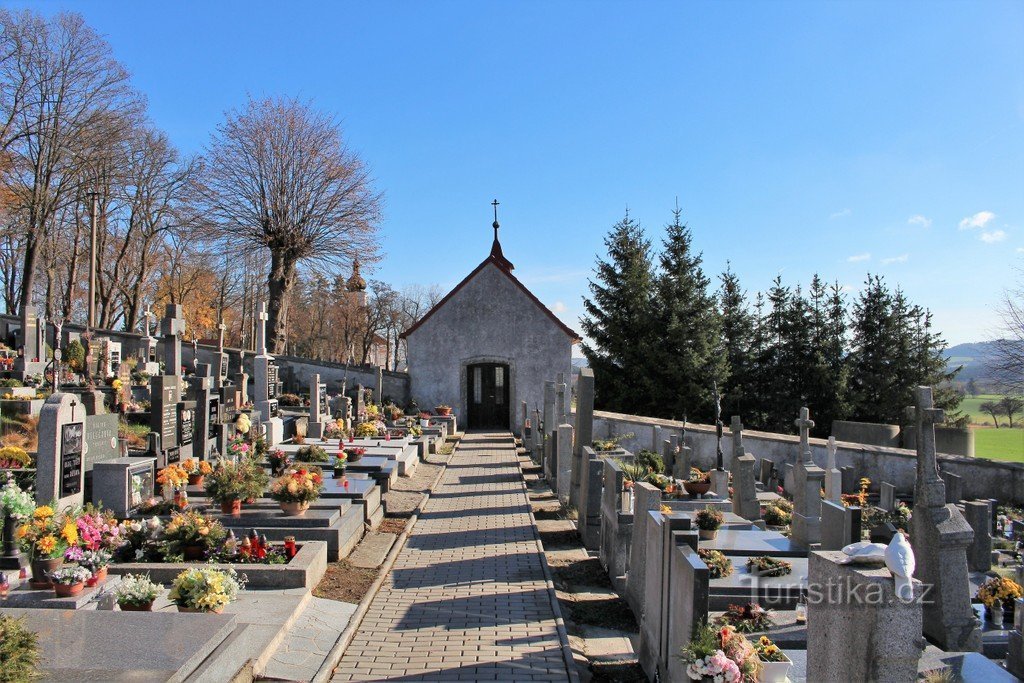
(972, 357)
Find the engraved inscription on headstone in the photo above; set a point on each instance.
(101, 439)
(274, 407)
(186, 425)
(214, 418)
(272, 382)
(71, 442)
(173, 455)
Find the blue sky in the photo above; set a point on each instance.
(829, 137)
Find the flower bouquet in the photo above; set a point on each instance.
(243, 423)
(232, 482)
(698, 483)
(718, 564)
(709, 520)
(747, 618)
(95, 561)
(354, 453)
(296, 489)
(279, 460)
(15, 502)
(196, 470)
(205, 589)
(142, 541)
(192, 535)
(312, 454)
(239, 448)
(998, 594)
(721, 655)
(14, 458)
(778, 513)
(774, 663)
(69, 580)
(368, 430)
(768, 566)
(136, 593)
(45, 537)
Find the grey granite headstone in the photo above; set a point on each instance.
(206, 412)
(766, 471)
(564, 463)
(681, 467)
(840, 526)
(548, 426)
(954, 487)
(851, 484)
(172, 327)
(979, 553)
(833, 477)
(669, 447)
(887, 496)
(858, 639)
(315, 427)
(1015, 649)
(60, 470)
(163, 413)
(687, 605)
(744, 496)
(788, 478)
(122, 485)
(589, 512)
(646, 498)
(808, 479)
(940, 537)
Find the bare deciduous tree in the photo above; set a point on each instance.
(279, 176)
(1006, 361)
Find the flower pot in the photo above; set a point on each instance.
(707, 534)
(443, 412)
(774, 672)
(231, 507)
(250, 500)
(697, 488)
(98, 577)
(195, 479)
(66, 591)
(145, 607)
(192, 552)
(354, 457)
(292, 509)
(196, 610)
(40, 570)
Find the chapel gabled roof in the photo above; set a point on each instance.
(504, 266)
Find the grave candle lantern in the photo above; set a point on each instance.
(289, 547)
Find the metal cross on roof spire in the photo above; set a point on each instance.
(495, 225)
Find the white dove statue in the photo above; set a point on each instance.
(899, 558)
(864, 552)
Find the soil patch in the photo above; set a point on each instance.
(345, 583)
(586, 572)
(567, 538)
(547, 513)
(617, 672)
(606, 612)
(392, 525)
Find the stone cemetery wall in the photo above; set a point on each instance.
(981, 478)
(867, 433)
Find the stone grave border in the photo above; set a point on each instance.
(304, 571)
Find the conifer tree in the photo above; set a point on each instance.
(690, 354)
(618, 322)
(737, 322)
(875, 335)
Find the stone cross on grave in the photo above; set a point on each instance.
(172, 327)
(804, 423)
(220, 328)
(718, 429)
(930, 489)
(833, 477)
(148, 316)
(195, 352)
(261, 330)
(737, 436)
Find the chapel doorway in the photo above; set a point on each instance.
(488, 396)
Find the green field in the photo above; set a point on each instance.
(999, 444)
(971, 405)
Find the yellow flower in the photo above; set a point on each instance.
(43, 511)
(70, 532)
(22, 531)
(47, 544)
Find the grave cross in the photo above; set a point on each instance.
(718, 428)
(147, 316)
(931, 488)
(261, 329)
(804, 423)
(737, 436)
(221, 327)
(831, 452)
(195, 353)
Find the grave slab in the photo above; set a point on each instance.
(744, 542)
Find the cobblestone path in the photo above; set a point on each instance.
(466, 598)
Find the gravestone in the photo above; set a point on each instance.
(524, 419)
(851, 484)
(317, 395)
(548, 427)
(148, 350)
(564, 462)
(172, 327)
(887, 496)
(32, 359)
(360, 402)
(940, 537)
(857, 638)
(380, 385)
(560, 390)
(681, 467)
(670, 447)
(744, 488)
(206, 413)
(537, 436)
(221, 360)
(833, 477)
(1015, 649)
(123, 484)
(686, 606)
(101, 439)
(736, 427)
(163, 417)
(788, 478)
(807, 479)
(979, 554)
(266, 383)
(186, 429)
(840, 525)
(767, 466)
(589, 512)
(646, 498)
(241, 382)
(60, 471)
(954, 487)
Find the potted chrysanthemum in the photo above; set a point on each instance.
(69, 580)
(205, 589)
(296, 489)
(136, 593)
(709, 520)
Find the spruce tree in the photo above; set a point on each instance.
(875, 380)
(740, 394)
(689, 351)
(618, 322)
(825, 379)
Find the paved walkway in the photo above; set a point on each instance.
(466, 598)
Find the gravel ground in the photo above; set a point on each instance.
(407, 492)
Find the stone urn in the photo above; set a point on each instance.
(294, 508)
(697, 488)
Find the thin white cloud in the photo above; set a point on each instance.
(1020, 250)
(978, 220)
(857, 258)
(992, 237)
(918, 219)
(902, 258)
(559, 307)
(842, 213)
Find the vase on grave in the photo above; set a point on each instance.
(98, 577)
(195, 479)
(707, 534)
(144, 607)
(41, 569)
(231, 507)
(196, 610)
(65, 590)
(294, 508)
(697, 488)
(192, 553)
(774, 672)
(994, 613)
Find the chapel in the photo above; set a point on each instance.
(487, 347)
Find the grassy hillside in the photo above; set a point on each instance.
(999, 444)
(971, 405)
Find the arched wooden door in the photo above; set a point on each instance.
(488, 395)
